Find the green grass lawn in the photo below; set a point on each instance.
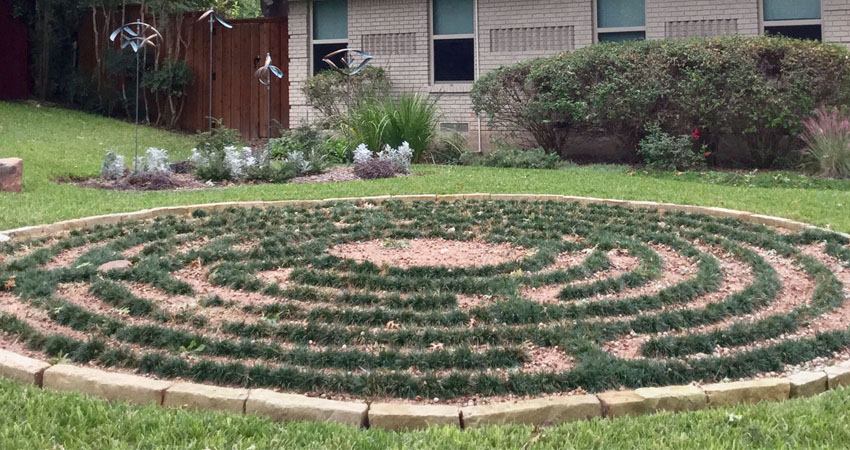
(56, 142)
(36, 419)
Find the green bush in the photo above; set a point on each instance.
(827, 138)
(210, 148)
(505, 155)
(335, 94)
(302, 139)
(758, 89)
(411, 118)
(661, 151)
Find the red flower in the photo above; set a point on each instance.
(695, 134)
(707, 153)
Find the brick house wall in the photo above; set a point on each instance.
(508, 31)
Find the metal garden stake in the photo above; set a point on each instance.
(264, 74)
(137, 39)
(348, 61)
(213, 17)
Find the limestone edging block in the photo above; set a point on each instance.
(21, 368)
(807, 384)
(753, 391)
(11, 174)
(108, 385)
(623, 403)
(295, 408)
(553, 410)
(673, 398)
(206, 397)
(399, 416)
(838, 376)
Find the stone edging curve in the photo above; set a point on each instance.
(294, 407)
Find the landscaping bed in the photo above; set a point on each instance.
(462, 303)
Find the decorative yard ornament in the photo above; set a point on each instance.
(137, 39)
(348, 61)
(264, 74)
(213, 18)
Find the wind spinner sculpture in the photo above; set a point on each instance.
(138, 39)
(348, 61)
(264, 74)
(213, 18)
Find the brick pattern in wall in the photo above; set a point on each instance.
(701, 28)
(699, 14)
(387, 44)
(836, 21)
(526, 39)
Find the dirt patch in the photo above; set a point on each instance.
(276, 276)
(66, 257)
(429, 253)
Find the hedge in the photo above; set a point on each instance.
(757, 89)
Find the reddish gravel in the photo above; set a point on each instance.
(429, 252)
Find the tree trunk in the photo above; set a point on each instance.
(275, 8)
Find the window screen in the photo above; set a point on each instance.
(454, 60)
(625, 36)
(791, 9)
(319, 52)
(453, 17)
(620, 13)
(330, 19)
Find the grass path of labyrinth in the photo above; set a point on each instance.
(604, 297)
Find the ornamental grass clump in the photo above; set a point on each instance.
(827, 138)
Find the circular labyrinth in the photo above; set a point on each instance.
(428, 300)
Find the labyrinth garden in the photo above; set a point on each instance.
(424, 300)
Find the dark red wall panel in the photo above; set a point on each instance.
(14, 56)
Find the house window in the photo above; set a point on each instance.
(620, 20)
(330, 31)
(454, 41)
(793, 18)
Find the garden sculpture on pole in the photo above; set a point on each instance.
(213, 18)
(137, 39)
(264, 74)
(348, 61)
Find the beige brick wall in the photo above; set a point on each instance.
(510, 31)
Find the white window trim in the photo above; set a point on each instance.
(314, 42)
(790, 22)
(608, 30)
(463, 85)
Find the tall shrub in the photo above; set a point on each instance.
(335, 94)
(757, 89)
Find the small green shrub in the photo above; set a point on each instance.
(335, 94)
(411, 118)
(338, 150)
(505, 155)
(661, 151)
(273, 172)
(827, 138)
(302, 139)
(446, 149)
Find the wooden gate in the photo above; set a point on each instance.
(239, 99)
(14, 56)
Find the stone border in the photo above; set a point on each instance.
(396, 416)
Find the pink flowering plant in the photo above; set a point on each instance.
(827, 139)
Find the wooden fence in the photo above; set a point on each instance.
(239, 100)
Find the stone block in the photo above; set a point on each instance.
(295, 408)
(398, 416)
(838, 376)
(807, 384)
(623, 403)
(108, 385)
(544, 411)
(753, 391)
(206, 398)
(20, 368)
(11, 174)
(673, 398)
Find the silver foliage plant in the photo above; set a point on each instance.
(362, 154)
(299, 161)
(239, 161)
(401, 156)
(156, 160)
(112, 167)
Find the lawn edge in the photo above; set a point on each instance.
(295, 407)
